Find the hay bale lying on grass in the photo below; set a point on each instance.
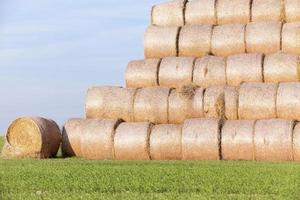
(233, 11)
(237, 140)
(263, 37)
(273, 140)
(288, 101)
(161, 42)
(89, 138)
(165, 142)
(201, 139)
(176, 71)
(151, 104)
(169, 13)
(104, 103)
(292, 10)
(200, 12)
(257, 101)
(132, 141)
(296, 142)
(195, 40)
(209, 71)
(142, 73)
(32, 137)
(268, 10)
(281, 67)
(244, 68)
(228, 39)
(291, 38)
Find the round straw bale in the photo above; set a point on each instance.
(200, 12)
(288, 101)
(104, 102)
(244, 68)
(168, 13)
(273, 140)
(151, 104)
(233, 11)
(201, 139)
(292, 10)
(176, 71)
(165, 142)
(195, 40)
(89, 138)
(237, 140)
(32, 137)
(291, 38)
(281, 67)
(257, 101)
(142, 73)
(263, 37)
(132, 141)
(228, 39)
(296, 140)
(209, 71)
(161, 41)
(267, 10)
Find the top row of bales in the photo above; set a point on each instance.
(195, 12)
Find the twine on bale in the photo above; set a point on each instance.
(292, 10)
(31, 137)
(291, 38)
(200, 12)
(268, 10)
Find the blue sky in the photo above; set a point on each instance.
(51, 51)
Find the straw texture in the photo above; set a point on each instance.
(151, 104)
(209, 71)
(233, 11)
(292, 10)
(273, 140)
(281, 67)
(104, 102)
(176, 71)
(237, 140)
(263, 37)
(165, 142)
(132, 141)
(288, 101)
(160, 42)
(296, 140)
(169, 13)
(89, 138)
(291, 38)
(200, 12)
(244, 68)
(201, 139)
(267, 10)
(257, 101)
(228, 39)
(195, 40)
(142, 73)
(31, 137)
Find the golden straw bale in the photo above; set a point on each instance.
(132, 141)
(161, 42)
(201, 139)
(142, 73)
(209, 71)
(195, 40)
(257, 101)
(200, 12)
(165, 142)
(228, 39)
(291, 38)
(233, 11)
(267, 10)
(244, 68)
(273, 140)
(104, 102)
(176, 71)
(263, 37)
(237, 140)
(292, 10)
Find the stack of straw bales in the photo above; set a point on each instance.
(219, 81)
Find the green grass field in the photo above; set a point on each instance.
(79, 179)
